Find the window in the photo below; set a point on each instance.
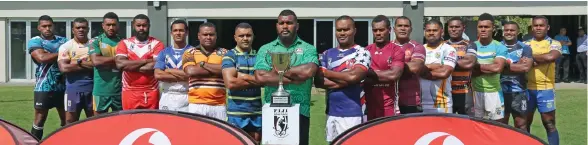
(18, 51)
(362, 34)
(324, 35)
(97, 29)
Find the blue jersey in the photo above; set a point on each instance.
(515, 83)
(564, 48)
(48, 77)
(345, 102)
(246, 101)
(171, 58)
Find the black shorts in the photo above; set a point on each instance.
(459, 103)
(48, 100)
(516, 102)
(410, 109)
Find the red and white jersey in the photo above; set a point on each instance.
(134, 49)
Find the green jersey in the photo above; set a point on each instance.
(107, 81)
(303, 53)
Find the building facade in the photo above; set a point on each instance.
(18, 20)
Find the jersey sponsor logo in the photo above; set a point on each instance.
(299, 51)
(448, 139)
(157, 138)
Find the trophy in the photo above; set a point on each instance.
(281, 63)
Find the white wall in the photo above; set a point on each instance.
(71, 8)
(471, 8)
(264, 10)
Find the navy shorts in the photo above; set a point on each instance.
(76, 101)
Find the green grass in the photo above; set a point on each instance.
(16, 106)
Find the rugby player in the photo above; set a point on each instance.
(541, 77)
(409, 93)
(78, 69)
(298, 80)
(135, 57)
(106, 76)
(342, 69)
(440, 61)
(244, 100)
(206, 94)
(466, 57)
(49, 84)
(491, 58)
(168, 70)
(513, 79)
(386, 66)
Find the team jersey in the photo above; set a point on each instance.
(171, 58)
(486, 55)
(82, 80)
(109, 79)
(460, 79)
(48, 78)
(211, 90)
(384, 59)
(542, 77)
(245, 101)
(437, 93)
(515, 82)
(134, 49)
(345, 102)
(410, 91)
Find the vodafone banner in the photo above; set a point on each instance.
(11, 134)
(435, 129)
(149, 127)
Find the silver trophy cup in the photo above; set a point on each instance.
(281, 62)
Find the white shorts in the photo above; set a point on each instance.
(218, 112)
(489, 105)
(438, 110)
(174, 101)
(338, 125)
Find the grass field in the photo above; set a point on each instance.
(16, 106)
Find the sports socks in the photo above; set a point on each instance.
(37, 131)
(553, 137)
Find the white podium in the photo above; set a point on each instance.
(280, 125)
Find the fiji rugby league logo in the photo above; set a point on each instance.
(281, 123)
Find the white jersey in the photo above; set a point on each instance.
(437, 93)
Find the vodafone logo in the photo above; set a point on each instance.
(430, 137)
(157, 138)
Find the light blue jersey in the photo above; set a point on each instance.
(48, 76)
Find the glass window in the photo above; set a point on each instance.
(324, 35)
(18, 52)
(362, 34)
(97, 29)
(59, 29)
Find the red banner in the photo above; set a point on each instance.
(140, 127)
(11, 134)
(435, 129)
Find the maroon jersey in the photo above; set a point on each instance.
(410, 92)
(381, 98)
